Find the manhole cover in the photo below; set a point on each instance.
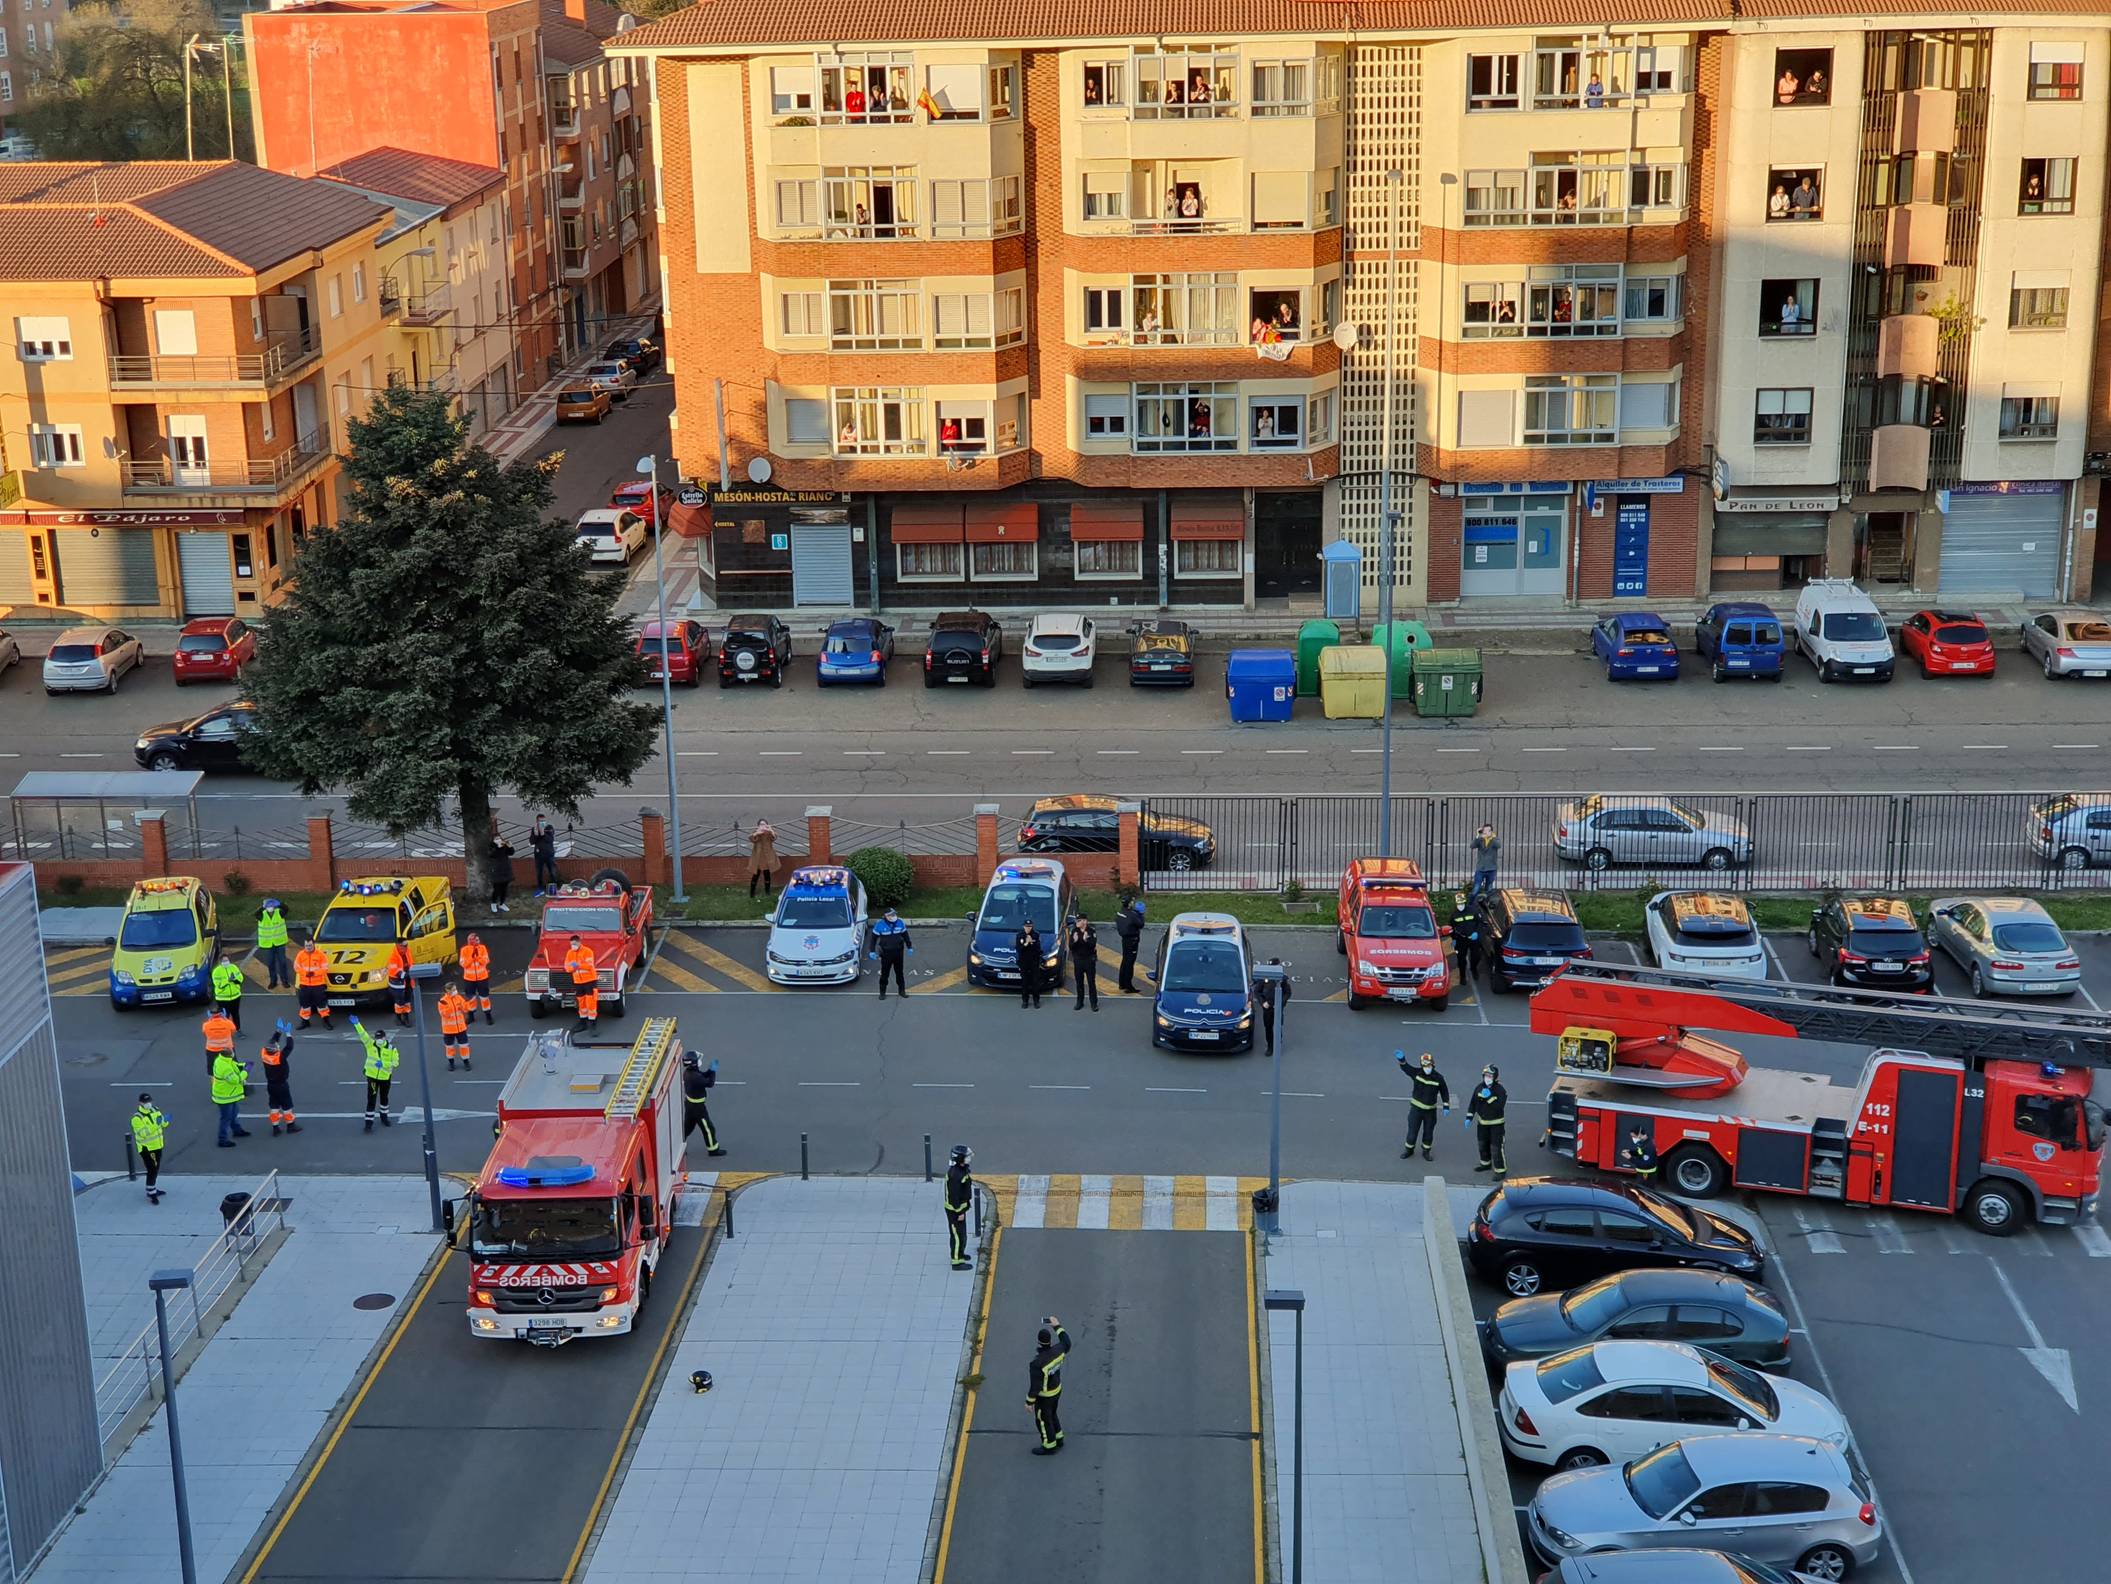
(373, 1300)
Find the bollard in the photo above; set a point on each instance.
(976, 1200)
(803, 1174)
(725, 1213)
(132, 1172)
(927, 1157)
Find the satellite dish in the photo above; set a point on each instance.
(1346, 336)
(758, 470)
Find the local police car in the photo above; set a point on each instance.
(1021, 889)
(1205, 985)
(818, 931)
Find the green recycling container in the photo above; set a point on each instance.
(1312, 638)
(1407, 638)
(1447, 681)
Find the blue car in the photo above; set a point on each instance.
(1636, 644)
(1021, 889)
(1204, 980)
(1739, 638)
(856, 650)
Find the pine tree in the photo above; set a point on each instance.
(446, 642)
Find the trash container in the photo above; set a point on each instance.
(1314, 638)
(1261, 684)
(1402, 641)
(1352, 682)
(1447, 681)
(236, 1217)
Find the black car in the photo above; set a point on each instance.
(212, 741)
(1538, 1232)
(1162, 654)
(1872, 943)
(756, 649)
(1530, 935)
(640, 352)
(1724, 1314)
(964, 647)
(1090, 822)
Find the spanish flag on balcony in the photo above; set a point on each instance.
(927, 104)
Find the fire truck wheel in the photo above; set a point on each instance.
(1696, 1170)
(1341, 941)
(613, 1005)
(1521, 1277)
(535, 1008)
(644, 1291)
(1995, 1208)
(1357, 1003)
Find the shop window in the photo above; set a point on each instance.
(1008, 562)
(1802, 77)
(805, 421)
(2037, 306)
(1109, 558)
(245, 558)
(1492, 82)
(1106, 84)
(1106, 417)
(1275, 423)
(1795, 192)
(1206, 558)
(1276, 314)
(2055, 71)
(2047, 187)
(1492, 309)
(2030, 417)
(1781, 417)
(929, 563)
(1788, 307)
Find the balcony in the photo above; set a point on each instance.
(1927, 122)
(430, 306)
(1898, 457)
(571, 196)
(289, 352)
(391, 294)
(1915, 235)
(627, 234)
(575, 264)
(619, 103)
(564, 119)
(1907, 345)
(444, 381)
(237, 483)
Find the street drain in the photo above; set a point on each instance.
(373, 1300)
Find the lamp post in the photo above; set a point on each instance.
(1273, 979)
(1274, 1300)
(649, 467)
(419, 973)
(1389, 520)
(162, 1283)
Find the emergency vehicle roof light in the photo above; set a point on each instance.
(547, 1171)
(2049, 1069)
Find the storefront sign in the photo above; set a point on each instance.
(690, 495)
(781, 541)
(2011, 487)
(750, 495)
(1528, 487)
(1719, 477)
(1780, 503)
(128, 519)
(1675, 485)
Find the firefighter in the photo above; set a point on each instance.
(227, 989)
(1640, 1154)
(311, 972)
(1466, 936)
(1485, 1107)
(150, 1130)
(1044, 1385)
(399, 983)
(1430, 1092)
(379, 1068)
(219, 1031)
(697, 1080)
(278, 1079)
(960, 1195)
(476, 976)
(585, 974)
(454, 1026)
(230, 1082)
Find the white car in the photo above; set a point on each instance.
(611, 534)
(1704, 932)
(91, 659)
(1840, 629)
(10, 650)
(817, 935)
(1612, 1402)
(615, 376)
(1059, 647)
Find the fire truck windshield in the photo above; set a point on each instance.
(546, 1229)
(570, 920)
(1394, 922)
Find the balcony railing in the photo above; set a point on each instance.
(430, 306)
(572, 198)
(575, 264)
(288, 352)
(564, 119)
(269, 476)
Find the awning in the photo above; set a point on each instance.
(927, 524)
(1771, 533)
(690, 522)
(1019, 523)
(1209, 520)
(1105, 522)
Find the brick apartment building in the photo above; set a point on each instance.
(1099, 315)
(29, 29)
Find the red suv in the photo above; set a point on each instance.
(688, 651)
(1948, 643)
(214, 649)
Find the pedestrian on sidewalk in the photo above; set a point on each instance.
(271, 944)
(454, 1026)
(890, 945)
(1486, 1109)
(1430, 1091)
(1128, 924)
(762, 856)
(960, 1198)
(544, 840)
(219, 1033)
(1084, 961)
(150, 1130)
(501, 872)
(311, 972)
(476, 976)
(1027, 945)
(697, 1080)
(1466, 936)
(379, 1069)
(1265, 994)
(227, 989)
(1044, 1384)
(1486, 847)
(278, 1079)
(230, 1082)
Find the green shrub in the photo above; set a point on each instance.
(887, 874)
(69, 885)
(235, 883)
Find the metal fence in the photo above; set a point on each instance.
(1799, 841)
(936, 839)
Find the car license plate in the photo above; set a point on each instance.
(1865, 670)
(1401, 992)
(1161, 665)
(2099, 671)
(1739, 665)
(956, 679)
(1886, 967)
(546, 1325)
(1960, 665)
(158, 995)
(1202, 1034)
(341, 1001)
(1546, 962)
(1646, 670)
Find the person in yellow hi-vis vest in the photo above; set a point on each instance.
(150, 1131)
(230, 1082)
(380, 1070)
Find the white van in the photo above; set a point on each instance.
(1838, 627)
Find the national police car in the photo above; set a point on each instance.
(1205, 985)
(818, 931)
(1021, 889)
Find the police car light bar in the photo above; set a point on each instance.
(547, 1171)
(820, 877)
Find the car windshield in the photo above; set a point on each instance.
(2037, 936)
(1553, 936)
(1662, 1482)
(1596, 1306)
(161, 928)
(1961, 635)
(201, 643)
(1565, 1374)
(1397, 923)
(568, 919)
(1884, 942)
(1215, 966)
(1010, 905)
(1854, 626)
(553, 1228)
(72, 653)
(1673, 1214)
(357, 925)
(1747, 1386)
(814, 912)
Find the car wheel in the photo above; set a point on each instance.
(1580, 1458)
(535, 1008)
(1978, 982)
(1995, 1208)
(777, 677)
(1439, 1003)
(883, 676)
(1717, 672)
(2052, 673)
(614, 1006)
(1341, 943)
(1521, 1277)
(1696, 1170)
(1026, 681)
(164, 761)
(1825, 671)
(1597, 860)
(1180, 859)
(1088, 679)
(1356, 1002)
(1716, 858)
(1826, 1562)
(1811, 938)
(2070, 858)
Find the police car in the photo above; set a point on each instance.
(1204, 977)
(1021, 889)
(818, 931)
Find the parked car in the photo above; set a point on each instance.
(688, 650)
(640, 352)
(2069, 643)
(1603, 831)
(964, 646)
(1708, 932)
(2005, 944)
(1871, 943)
(1091, 822)
(583, 404)
(817, 934)
(1530, 935)
(610, 535)
(1204, 985)
(1947, 643)
(1535, 1232)
(616, 377)
(756, 648)
(1162, 654)
(10, 650)
(91, 660)
(1669, 1566)
(1635, 644)
(2072, 830)
(1724, 1314)
(1060, 646)
(636, 495)
(212, 741)
(1740, 638)
(213, 649)
(1019, 889)
(1775, 1498)
(1839, 628)
(857, 650)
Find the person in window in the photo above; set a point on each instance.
(1815, 88)
(1791, 317)
(1261, 330)
(1786, 87)
(1594, 92)
(1568, 204)
(2033, 188)
(898, 90)
(1505, 312)
(949, 434)
(1264, 425)
(1198, 89)
(1091, 91)
(1286, 319)
(1803, 201)
(847, 440)
(1198, 419)
(1175, 95)
(1191, 205)
(1777, 203)
(854, 101)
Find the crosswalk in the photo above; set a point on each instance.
(1813, 1227)
(1125, 1203)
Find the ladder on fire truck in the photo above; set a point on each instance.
(640, 1074)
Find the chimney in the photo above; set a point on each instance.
(576, 10)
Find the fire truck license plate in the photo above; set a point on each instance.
(1402, 992)
(545, 1325)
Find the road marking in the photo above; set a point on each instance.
(1818, 1242)
(1894, 747)
(71, 954)
(2051, 1362)
(967, 1412)
(870, 753)
(830, 1083)
(1542, 750)
(2095, 1241)
(1030, 1204)
(941, 1086)
(1222, 1212)
(1063, 1193)
(80, 756)
(1779, 971)
(1031, 753)
(169, 1083)
(1288, 750)
(1092, 1203)
(696, 753)
(947, 753)
(944, 981)
(712, 957)
(1197, 753)
(782, 753)
(1614, 748)
(681, 976)
(1297, 1094)
(1158, 1204)
(1808, 748)
(1717, 749)
(2083, 746)
(1076, 1088)
(1149, 1090)
(1190, 1204)
(1440, 750)
(1890, 1238)
(1113, 753)
(1984, 747)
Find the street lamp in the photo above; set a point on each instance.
(1274, 1300)
(162, 1283)
(1388, 519)
(649, 467)
(419, 973)
(1273, 980)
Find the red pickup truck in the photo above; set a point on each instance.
(611, 917)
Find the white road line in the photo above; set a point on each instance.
(1440, 750)
(941, 1086)
(1031, 753)
(1719, 749)
(1077, 1088)
(1222, 1214)
(782, 753)
(1808, 748)
(1616, 748)
(1092, 1196)
(947, 753)
(2086, 996)
(1953, 1240)
(1381, 750)
(828, 1083)
(1982, 747)
(2095, 1241)
(122, 1084)
(2066, 745)
(1200, 752)
(1817, 1242)
(696, 753)
(1894, 747)
(2031, 1240)
(1288, 750)
(80, 756)
(1158, 1204)
(1113, 753)
(1768, 946)
(1542, 750)
(1030, 1208)
(1297, 1094)
(876, 753)
(1149, 1090)
(1889, 1236)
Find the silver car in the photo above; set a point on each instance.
(1776, 1498)
(1669, 1567)
(10, 650)
(1600, 832)
(2070, 643)
(91, 659)
(2006, 944)
(2073, 830)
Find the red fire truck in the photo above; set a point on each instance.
(1386, 927)
(1960, 1107)
(613, 920)
(573, 1211)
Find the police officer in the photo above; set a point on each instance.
(380, 1070)
(278, 1079)
(229, 1083)
(1128, 924)
(1265, 995)
(1044, 1385)
(960, 1198)
(150, 1130)
(1486, 1109)
(271, 944)
(1083, 942)
(227, 989)
(1028, 948)
(697, 1080)
(890, 944)
(1430, 1092)
(1640, 1154)
(1466, 936)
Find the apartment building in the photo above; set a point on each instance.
(600, 122)
(29, 29)
(188, 341)
(1148, 318)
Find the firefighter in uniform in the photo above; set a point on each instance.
(219, 1037)
(1430, 1092)
(697, 1080)
(150, 1130)
(454, 1026)
(311, 972)
(1486, 1109)
(476, 976)
(379, 1068)
(399, 983)
(1640, 1154)
(227, 990)
(1044, 1385)
(960, 1197)
(1466, 936)
(278, 1079)
(271, 943)
(230, 1083)
(585, 974)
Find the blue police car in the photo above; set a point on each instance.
(856, 650)
(1205, 985)
(817, 933)
(1021, 889)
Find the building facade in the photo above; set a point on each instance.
(600, 119)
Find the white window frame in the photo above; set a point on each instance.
(1319, 420)
(53, 446)
(1010, 314)
(337, 296)
(1108, 201)
(1221, 551)
(855, 409)
(1105, 316)
(815, 410)
(1505, 89)
(1197, 308)
(803, 315)
(979, 207)
(1670, 399)
(1012, 550)
(1114, 84)
(2032, 308)
(1281, 85)
(1128, 551)
(804, 217)
(1584, 290)
(837, 74)
(1573, 410)
(845, 187)
(2031, 420)
(963, 321)
(44, 338)
(2046, 87)
(1274, 408)
(1156, 399)
(943, 79)
(1155, 68)
(977, 427)
(1673, 287)
(952, 556)
(1111, 419)
(794, 90)
(875, 315)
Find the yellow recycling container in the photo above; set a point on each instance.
(1352, 682)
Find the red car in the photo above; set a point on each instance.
(688, 651)
(637, 496)
(1948, 643)
(214, 649)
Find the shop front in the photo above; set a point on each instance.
(2003, 536)
(1769, 542)
(1513, 540)
(763, 548)
(135, 565)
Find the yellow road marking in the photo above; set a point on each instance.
(512, 986)
(1190, 1204)
(944, 981)
(1125, 1205)
(74, 954)
(1253, 1383)
(676, 974)
(967, 1412)
(711, 957)
(1111, 958)
(81, 974)
(254, 971)
(1339, 995)
(1062, 1201)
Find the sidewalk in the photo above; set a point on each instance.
(515, 435)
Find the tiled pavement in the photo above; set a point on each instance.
(1126, 1203)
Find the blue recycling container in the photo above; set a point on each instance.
(1261, 684)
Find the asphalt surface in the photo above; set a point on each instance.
(1155, 1480)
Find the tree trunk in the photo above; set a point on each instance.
(477, 829)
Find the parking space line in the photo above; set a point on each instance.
(2095, 1241)
(2033, 1241)
(675, 973)
(1030, 1204)
(944, 981)
(1889, 1237)
(712, 957)
(1816, 1240)
(1952, 1238)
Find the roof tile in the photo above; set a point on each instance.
(421, 178)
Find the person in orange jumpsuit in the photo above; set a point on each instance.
(585, 974)
(219, 1037)
(399, 983)
(476, 976)
(311, 967)
(454, 1025)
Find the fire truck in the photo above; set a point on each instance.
(572, 1213)
(1385, 926)
(1960, 1108)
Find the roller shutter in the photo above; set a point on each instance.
(15, 586)
(1997, 542)
(106, 566)
(208, 574)
(821, 572)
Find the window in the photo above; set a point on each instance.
(798, 206)
(955, 92)
(1011, 315)
(1495, 198)
(975, 207)
(1654, 405)
(1106, 195)
(54, 445)
(1281, 200)
(1103, 312)
(873, 315)
(1781, 417)
(1194, 416)
(804, 314)
(1274, 313)
(44, 340)
(1329, 307)
(1319, 426)
(1493, 309)
(337, 296)
(879, 421)
(1186, 83)
(805, 421)
(1004, 86)
(1282, 87)
(1326, 196)
(1004, 561)
(1795, 193)
(2029, 417)
(1275, 423)
(1571, 409)
(1655, 299)
(870, 200)
(1491, 82)
(1186, 310)
(7, 87)
(1106, 417)
(792, 91)
(1210, 558)
(1557, 82)
(866, 87)
(3, 43)
(2056, 71)
(1802, 77)
(1788, 307)
(268, 423)
(964, 427)
(1487, 418)
(2038, 303)
(1106, 84)
(2047, 187)
(359, 283)
(1564, 300)
(1109, 558)
(930, 563)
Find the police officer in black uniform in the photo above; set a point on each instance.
(1486, 1109)
(697, 1080)
(1430, 1091)
(1128, 924)
(1640, 1155)
(1044, 1385)
(960, 1198)
(1466, 937)
(1265, 994)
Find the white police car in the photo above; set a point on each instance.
(817, 934)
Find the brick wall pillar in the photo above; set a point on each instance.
(819, 843)
(153, 843)
(1129, 871)
(652, 835)
(985, 842)
(322, 855)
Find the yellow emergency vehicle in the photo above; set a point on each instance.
(165, 943)
(363, 922)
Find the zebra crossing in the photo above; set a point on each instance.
(1812, 1227)
(1125, 1203)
